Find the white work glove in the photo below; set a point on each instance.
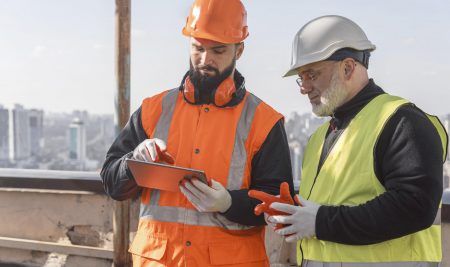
(302, 219)
(204, 198)
(269, 224)
(146, 151)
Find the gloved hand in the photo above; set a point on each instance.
(267, 199)
(152, 150)
(204, 198)
(302, 219)
(272, 225)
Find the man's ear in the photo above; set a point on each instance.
(349, 67)
(239, 49)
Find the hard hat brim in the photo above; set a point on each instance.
(291, 72)
(213, 37)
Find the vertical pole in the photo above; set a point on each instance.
(121, 217)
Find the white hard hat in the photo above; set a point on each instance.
(321, 37)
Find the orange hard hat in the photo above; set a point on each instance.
(223, 21)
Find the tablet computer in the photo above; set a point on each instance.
(162, 176)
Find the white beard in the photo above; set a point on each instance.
(332, 98)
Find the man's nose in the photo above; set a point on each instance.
(206, 58)
(306, 87)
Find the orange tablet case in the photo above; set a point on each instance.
(161, 176)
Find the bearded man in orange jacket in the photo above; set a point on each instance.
(212, 123)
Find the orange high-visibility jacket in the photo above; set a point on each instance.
(221, 142)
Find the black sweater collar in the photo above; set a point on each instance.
(352, 107)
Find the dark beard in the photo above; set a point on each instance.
(205, 83)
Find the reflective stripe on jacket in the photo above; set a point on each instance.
(347, 177)
(221, 142)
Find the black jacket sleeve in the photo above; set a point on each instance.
(271, 166)
(117, 179)
(408, 162)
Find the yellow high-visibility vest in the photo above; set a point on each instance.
(347, 177)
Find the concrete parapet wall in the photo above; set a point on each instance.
(85, 218)
(65, 217)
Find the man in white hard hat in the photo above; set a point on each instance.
(372, 175)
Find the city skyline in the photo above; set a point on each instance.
(32, 139)
(79, 140)
(86, 136)
(54, 61)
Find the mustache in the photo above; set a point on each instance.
(207, 68)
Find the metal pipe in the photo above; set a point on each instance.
(121, 217)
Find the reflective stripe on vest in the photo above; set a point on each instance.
(162, 129)
(235, 175)
(237, 166)
(188, 216)
(308, 263)
(168, 107)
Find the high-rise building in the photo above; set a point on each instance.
(21, 133)
(77, 140)
(36, 125)
(82, 115)
(107, 128)
(4, 134)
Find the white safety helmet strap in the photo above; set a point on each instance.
(360, 56)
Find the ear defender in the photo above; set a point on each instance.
(220, 96)
(189, 91)
(223, 94)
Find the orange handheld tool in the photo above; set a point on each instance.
(267, 200)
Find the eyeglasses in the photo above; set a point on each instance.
(310, 75)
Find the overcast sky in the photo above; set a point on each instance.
(58, 55)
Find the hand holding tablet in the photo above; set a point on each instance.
(162, 176)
